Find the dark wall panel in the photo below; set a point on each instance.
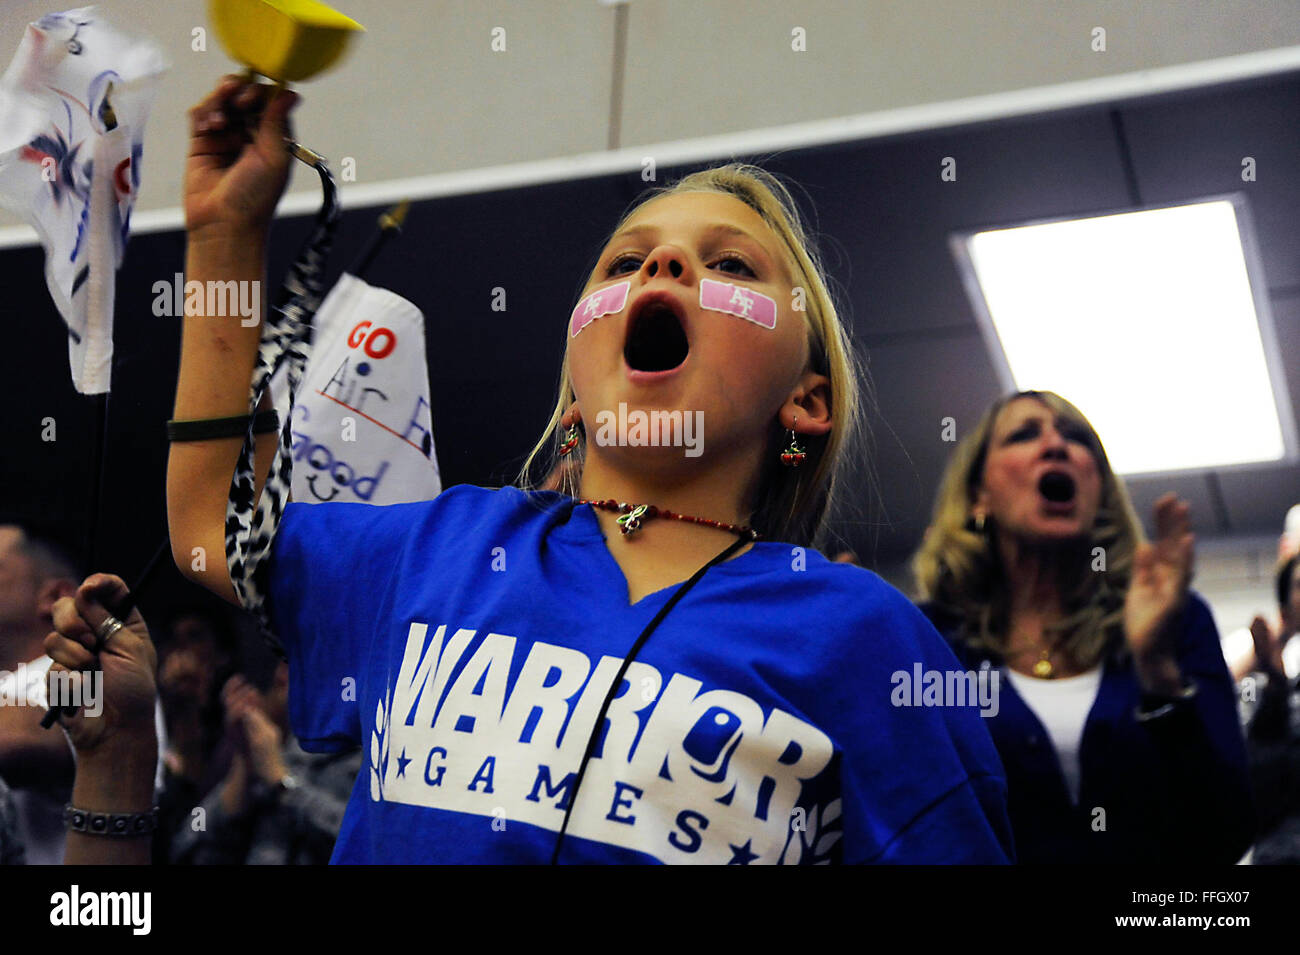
(918, 384)
(883, 217)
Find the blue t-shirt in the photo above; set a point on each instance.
(467, 643)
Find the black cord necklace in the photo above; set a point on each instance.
(618, 682)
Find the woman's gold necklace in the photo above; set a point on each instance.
(1042, 668)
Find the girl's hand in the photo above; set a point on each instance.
(1162, 571)
(123, 709)
(238, 163)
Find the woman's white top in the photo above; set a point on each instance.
(1062, 706)
(1291, 656)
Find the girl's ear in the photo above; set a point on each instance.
(809, 406)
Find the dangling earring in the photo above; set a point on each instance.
(793, 456)
(570, 440)
(979, 523)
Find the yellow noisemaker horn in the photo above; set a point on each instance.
(284, 40)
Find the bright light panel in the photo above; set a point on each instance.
(1145, 321)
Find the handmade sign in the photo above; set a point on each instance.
(73, 106)
(362, 426)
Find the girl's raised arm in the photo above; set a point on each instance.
(237, 169)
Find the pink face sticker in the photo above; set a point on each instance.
(736, 300)
(606, 301)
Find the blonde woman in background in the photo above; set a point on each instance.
(1117, 722)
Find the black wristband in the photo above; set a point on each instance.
(203, 429)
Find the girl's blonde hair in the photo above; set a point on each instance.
(959, 568)
(791, 504)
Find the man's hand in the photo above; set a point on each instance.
(264, 746)
(127, 664)
(257, 744)
(257, 738)
(116, 743)
(1268, 647)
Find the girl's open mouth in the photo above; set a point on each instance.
(656, 340)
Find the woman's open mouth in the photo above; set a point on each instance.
(1057, 490)
(656, 340)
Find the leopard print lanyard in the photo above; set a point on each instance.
(286, 337)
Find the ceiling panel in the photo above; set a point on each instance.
(699, 69)
(421, 91)
(886, 212)
(1192, 488)
(1286, 325)
(1258, 499)
(1188, 147)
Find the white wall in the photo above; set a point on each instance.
(1236, 577)
(422, 92)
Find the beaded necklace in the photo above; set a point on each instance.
(634, 514)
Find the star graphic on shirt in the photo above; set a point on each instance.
(401, 763)
(740, 855)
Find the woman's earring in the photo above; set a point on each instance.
(793, 456)
(979, 523)
(570, 440)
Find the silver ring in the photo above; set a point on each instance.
(107, 629)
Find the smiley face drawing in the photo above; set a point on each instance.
(311, 486)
